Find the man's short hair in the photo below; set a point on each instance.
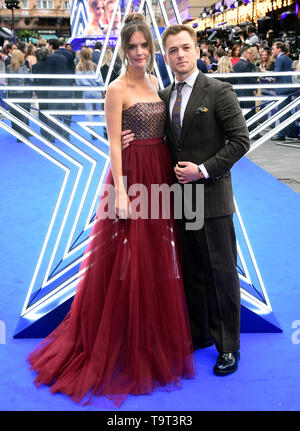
(62, 41)
(280, 45)
(244, 48)
(98, 45)
(22, 46)
(174, 29)
(220, 52)
(54, 43)
(251, 29)
(43, 53)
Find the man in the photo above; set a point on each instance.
(213, 137)
(283, 63)
(41, 67)
(219, 53)
(97, 52)
(252, 37)
(70, 55)
(58, 64)
(245, 65)
(10, 47)
(22, 46)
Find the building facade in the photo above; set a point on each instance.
(45, 17)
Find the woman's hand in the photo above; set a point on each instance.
(122, 203)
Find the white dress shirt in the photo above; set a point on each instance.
(186, 92)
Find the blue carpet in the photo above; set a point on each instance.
(269, 370)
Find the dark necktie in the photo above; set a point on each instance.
(176, 110)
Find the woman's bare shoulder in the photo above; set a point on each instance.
(116, 92)
(117, 84)
(154, 81)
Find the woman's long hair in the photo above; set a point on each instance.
(17, 60)
(85, 61)
(224, 65)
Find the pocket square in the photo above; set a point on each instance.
(201, 109)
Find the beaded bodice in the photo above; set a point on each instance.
(145, 119)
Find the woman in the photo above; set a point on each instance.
(225, 66)
(127, 330)
(96, 12)
(18, 65)
(30, 55)
(87, 67)
(235, 54)
(266, 62)
(106, 64)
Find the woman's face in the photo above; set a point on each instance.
(264, 56)
(138, 50)
(99, 9)
(237, 51)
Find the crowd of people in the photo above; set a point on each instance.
(53, 57)
(245, 52)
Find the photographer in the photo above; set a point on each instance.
(252, 37)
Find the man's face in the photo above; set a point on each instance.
(203, 47)
(181, 54)
(248, 54)
(275, 51)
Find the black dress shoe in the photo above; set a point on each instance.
(227, 363)
(200, 343)
(278, 138)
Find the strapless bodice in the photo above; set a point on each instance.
(145, 119)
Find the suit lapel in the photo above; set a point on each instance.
(198, 93)
(166, 96)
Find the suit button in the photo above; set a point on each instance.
(179, 148)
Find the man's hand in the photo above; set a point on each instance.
(187, 172)
(126, 138)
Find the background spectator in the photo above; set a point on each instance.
(17, 65)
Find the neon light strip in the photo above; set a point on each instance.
(276, 116)
(177, 14)
(240, 253)
(274, 131)
(252, 255)
(88, 76)
(262, 112)
(154, 23)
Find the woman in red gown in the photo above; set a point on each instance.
(127, 331)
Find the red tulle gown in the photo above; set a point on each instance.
(127, 331)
